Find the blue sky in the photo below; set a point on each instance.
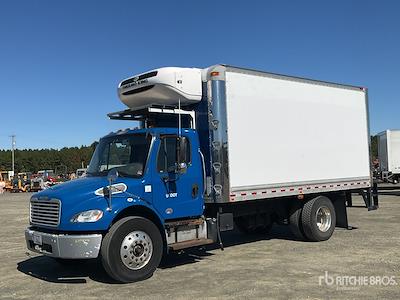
(61, 61)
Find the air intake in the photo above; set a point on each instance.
(45, 212)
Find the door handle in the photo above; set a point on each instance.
(195, 190)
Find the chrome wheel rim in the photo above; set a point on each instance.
(324, 218)
(136, 250)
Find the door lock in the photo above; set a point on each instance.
(195, 190)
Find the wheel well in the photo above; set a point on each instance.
(141, 211)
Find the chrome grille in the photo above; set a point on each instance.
(45, 212)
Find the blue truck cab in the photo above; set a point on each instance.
(158, 177)
(144, 191)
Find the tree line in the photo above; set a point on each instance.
(32, 160)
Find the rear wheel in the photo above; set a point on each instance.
(132, 249)
(318, 219)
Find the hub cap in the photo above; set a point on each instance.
(324, 219)
(136, 250)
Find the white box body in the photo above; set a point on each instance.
(286, 131)
(389, 151)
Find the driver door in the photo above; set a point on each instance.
(177, 189)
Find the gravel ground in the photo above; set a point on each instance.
(269, 266)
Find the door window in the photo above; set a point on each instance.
(167, 154)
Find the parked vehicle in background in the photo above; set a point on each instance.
(81, 172)
(389, 155)
(43, 180)
(61, 173)
(2, 183)
(37, 183)
(21, 183)
(216, 147)
(7, 177)
(48, 174)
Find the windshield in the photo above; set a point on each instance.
(126, 153)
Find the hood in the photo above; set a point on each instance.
(79, 186)
(79, 195)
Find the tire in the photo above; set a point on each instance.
(295, 224)
(318, 231)
(132, 249)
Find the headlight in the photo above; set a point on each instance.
(87, 216)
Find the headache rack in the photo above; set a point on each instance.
(157, 117)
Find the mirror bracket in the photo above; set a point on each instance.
(112, 176)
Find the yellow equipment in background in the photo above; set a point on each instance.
(21, 183)
(2, 184)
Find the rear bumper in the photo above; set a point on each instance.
(63, 245)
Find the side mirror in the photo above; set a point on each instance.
(181, 150)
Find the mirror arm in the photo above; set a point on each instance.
(112, 176)
(106, 192)
(109, 208)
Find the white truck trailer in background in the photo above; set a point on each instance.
(389, 155)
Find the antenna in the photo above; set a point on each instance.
(178, 146)
(179, 118)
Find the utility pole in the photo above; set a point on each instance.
(12, 153)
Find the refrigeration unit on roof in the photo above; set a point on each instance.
(163, 87)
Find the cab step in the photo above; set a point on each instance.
(190, 243)
(186, 222)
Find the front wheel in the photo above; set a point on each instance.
(132, 249)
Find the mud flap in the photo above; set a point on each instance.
(341, 212)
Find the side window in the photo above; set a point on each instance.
(167, 158)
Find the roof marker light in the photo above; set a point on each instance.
(214, 73)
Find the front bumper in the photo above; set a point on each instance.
(63, 245)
